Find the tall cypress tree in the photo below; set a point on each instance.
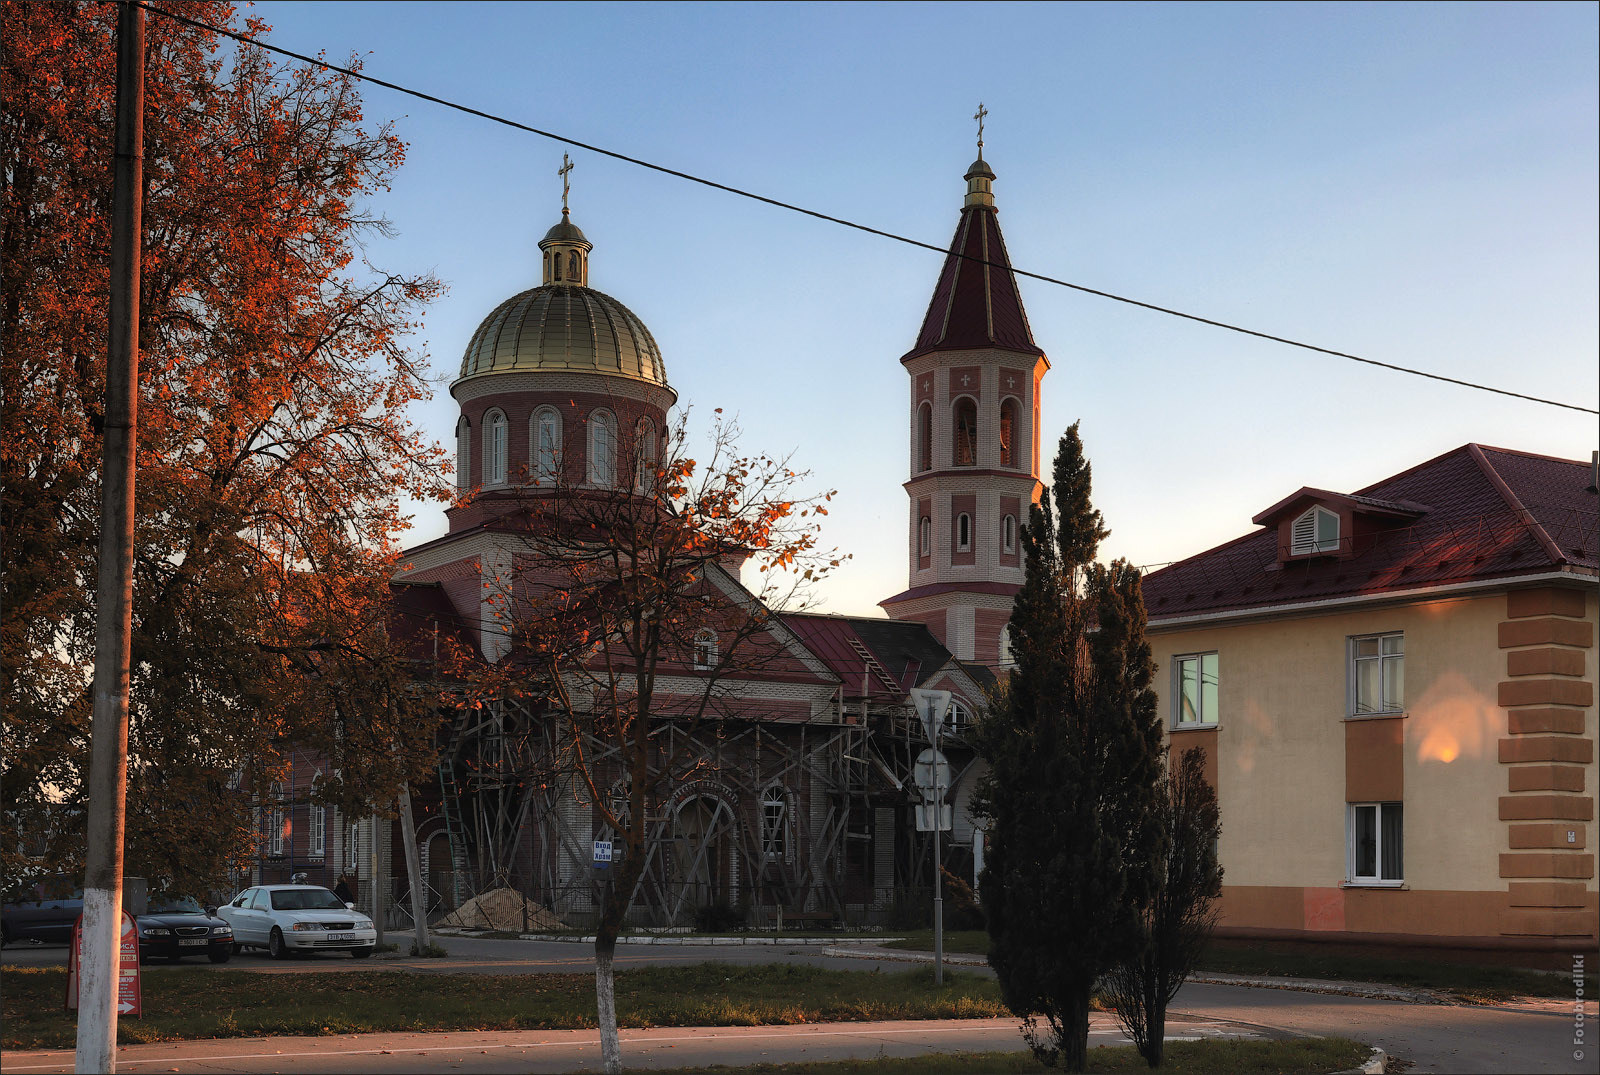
(1076, 838)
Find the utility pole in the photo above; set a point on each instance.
(108, 771)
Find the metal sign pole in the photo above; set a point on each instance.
(931, 708)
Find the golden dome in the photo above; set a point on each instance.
(564, 325)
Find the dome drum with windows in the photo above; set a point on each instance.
(560, 382)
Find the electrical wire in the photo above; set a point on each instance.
(1082, 288)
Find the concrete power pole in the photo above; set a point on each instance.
(108, 769)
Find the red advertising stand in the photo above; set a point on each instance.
(129, 998)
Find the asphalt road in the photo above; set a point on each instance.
(1435, 1038)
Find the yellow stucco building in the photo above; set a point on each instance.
(1396, 692)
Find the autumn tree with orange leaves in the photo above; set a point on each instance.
(621, 612)
(273, 445)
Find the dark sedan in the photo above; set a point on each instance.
(45, 914)
(178, 927)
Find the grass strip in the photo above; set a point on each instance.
(1298, 1056)
(186, 1004)
(1442, 972)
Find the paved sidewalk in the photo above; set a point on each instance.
(544, 1051)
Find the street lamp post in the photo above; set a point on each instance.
(931, 709)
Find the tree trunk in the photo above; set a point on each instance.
(419, 890)
(1156, 1028)
(1074, 1042)
(605, 992)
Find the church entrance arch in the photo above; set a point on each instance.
(703, 853)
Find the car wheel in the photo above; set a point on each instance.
(275, 946)
(237, 948)
(360, 953)
(222, 956)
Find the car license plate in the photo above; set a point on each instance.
(193, 942)
(338, 936)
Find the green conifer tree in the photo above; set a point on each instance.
(1076, 838)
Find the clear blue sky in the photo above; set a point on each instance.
(1412, 183)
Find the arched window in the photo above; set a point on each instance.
(963, 532)
(774, 823)
(602, 449)
(924, 536)
(463, 455)
(925, 437)
(1008, 426)
(965, 449)
(546, 439)
(1008, 534)
(556, 264)
(644, 456)
(572, 265)
(1007, 658)
(317, 826)
(494, 448)
(705, 649)
(277, 823)
(958, 716)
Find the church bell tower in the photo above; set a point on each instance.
(975, 375)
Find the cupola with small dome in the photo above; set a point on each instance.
(559, 384)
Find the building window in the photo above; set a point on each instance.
(494, 448)
(1377, 843)
(774, 823)
(957, 717)
(572, 264)
(317, 827)
(546, 444)
(602, 449)
(705, 649)
(965, 414)
(963, 532)
(1008, 534)
(1315, 531)
(277, 823)
(1196, 688)
(1007, 658)
(924, 536)
(644, 456)
(925, 437)
(463, 455)
(1008, 425)
(1378, 674)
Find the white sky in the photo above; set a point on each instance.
(1412, 183)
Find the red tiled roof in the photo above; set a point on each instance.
(975, 303)
(1490, 513)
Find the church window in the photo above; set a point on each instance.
(1008, 534)
(317, 845)
(557, 265)
(602, 449)
(924, 536)
(494, 448)
(644, 456)
(963, 532)
(277, 822)
(572, 265)
(1008, 425)
(1007, 658)
(774, 823)
(546, 444)
(925, 437)
(463, 455)
(705, 649)
(965, 413)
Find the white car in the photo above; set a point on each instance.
(295, 919)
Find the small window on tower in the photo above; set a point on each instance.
(925, 437)
(963, 532)
(924, 536)
(1008, 534)
(965, 413)
(1008, 423)
(572, 265)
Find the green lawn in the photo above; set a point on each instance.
(1447, 972)
(181, 1004)
(1301, 1056)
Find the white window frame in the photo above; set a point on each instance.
(1008, 534)
(1199, 660)
(1376, 879)
(924, 536)
(1387, 663)
(602, 462)
(1304, 536)
(705, 649)
(958, 717)
(275, 822)
(317, 824)
(496, 437)
(546, 459)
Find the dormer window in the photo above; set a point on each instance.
(1315, 531)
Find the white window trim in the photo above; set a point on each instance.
(317, 824)
(705, 649)
(963, 531)
(496, 440)
(602, 466)
(1351, 879)
(542, 473)
(1352, 681)
(1177, 691)
(924, 536)
(1312, 544)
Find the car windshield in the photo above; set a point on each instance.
(306, 899)
(174, 905)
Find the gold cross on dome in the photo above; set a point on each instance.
(566, 187)
(978, 115)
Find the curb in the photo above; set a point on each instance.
(1375, 1065)
(1364, 990)
(694, 942)
(889, 955)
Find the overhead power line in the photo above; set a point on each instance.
(1083, 288)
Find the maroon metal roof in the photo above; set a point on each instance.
(975, 303)
(423, 619)
(1490, 513)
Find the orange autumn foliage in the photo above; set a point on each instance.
(273, 445)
